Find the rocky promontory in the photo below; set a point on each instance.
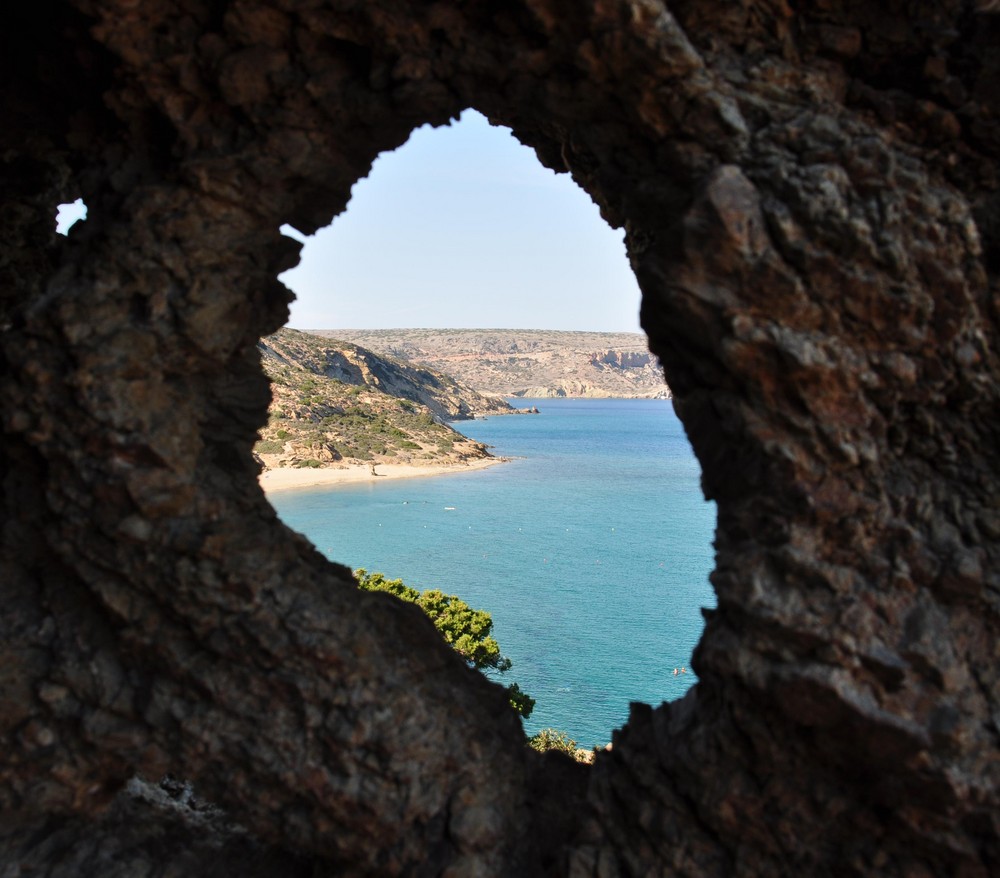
(335, 403)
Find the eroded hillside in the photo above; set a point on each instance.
(334, 403)
(528, 363)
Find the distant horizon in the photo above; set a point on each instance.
(467, 329)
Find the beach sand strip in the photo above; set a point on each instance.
(288, 478)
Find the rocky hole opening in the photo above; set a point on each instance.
(379, 374)
(69, 214)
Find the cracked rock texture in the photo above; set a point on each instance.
(810, 200)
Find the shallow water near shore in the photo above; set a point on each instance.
(591, 549)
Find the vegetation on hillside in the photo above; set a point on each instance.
(467, 631)
(335, 402)
(548, 740)
(552, 740)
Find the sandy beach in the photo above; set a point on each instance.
(289, 478)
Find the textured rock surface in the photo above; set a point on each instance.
(811, 208)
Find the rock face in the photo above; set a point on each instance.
(621, 359)
(527, 362)
(809, 195)
(353, 365)
(334, 401)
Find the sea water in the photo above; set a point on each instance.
(591, 549)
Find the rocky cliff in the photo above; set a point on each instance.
(334, 402)
(811, 205)
(350, 364)
(529, 363)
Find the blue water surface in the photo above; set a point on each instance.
(591, 549)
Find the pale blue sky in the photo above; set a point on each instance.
(67, 214)
(462, 227)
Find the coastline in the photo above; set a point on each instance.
(290, 478)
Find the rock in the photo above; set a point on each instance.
(817, 240)
(528, 363)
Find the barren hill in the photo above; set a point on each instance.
(529, 363)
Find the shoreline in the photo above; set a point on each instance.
(290, 478)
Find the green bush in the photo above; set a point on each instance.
(269, 446)
(467, 631)
(521, 701)
(552, 739)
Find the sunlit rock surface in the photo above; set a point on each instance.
(811, 208)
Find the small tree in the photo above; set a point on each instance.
(467, 631)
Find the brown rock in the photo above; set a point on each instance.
(818, 248)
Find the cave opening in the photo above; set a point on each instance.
(462, 228)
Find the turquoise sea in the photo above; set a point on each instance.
(591, 549)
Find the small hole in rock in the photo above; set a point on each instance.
(69, 214)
